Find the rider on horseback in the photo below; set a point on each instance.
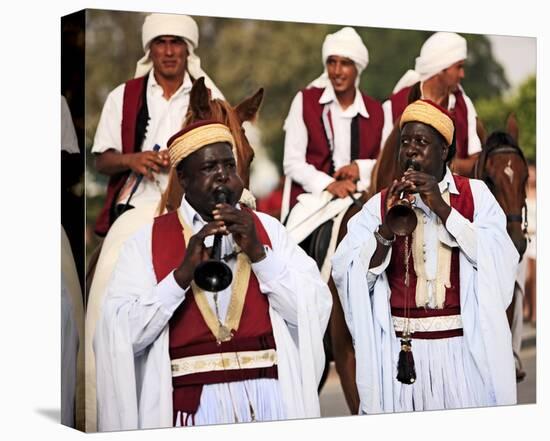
(145, 111)
(333, 133)
(436, 77)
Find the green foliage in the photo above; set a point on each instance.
(495, 111)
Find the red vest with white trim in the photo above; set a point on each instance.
(190, 335)
(401, 295)
(318, 150)
(400, 100)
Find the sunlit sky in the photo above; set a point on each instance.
(517, 55)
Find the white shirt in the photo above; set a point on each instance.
(296, 140)
(166, 118)
(474, 143)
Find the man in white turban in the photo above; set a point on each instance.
(437, 74)
(139, 116)
(332, 138)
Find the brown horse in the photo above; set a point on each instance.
(500, 158)
(200, 107)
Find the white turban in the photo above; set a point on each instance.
(182, 26)
(344, 43)
(440, 51)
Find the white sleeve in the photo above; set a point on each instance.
(288, 272)
(488, 217)
(365, 172)
(474, 143)
(294, 161)
(108, 133)
(69, 141)
(388, 122)
(133, 290)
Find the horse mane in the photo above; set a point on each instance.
(498, 138)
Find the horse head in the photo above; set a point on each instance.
(502, 166)
(203, 107)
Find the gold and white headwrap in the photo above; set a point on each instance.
(426, 112)
(196, 137)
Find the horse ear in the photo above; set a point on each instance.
(199, 100)
(481, 132)
(248, 108)
(512, 126)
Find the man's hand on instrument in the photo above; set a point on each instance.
(196, 252)
(342, 188)
(427, 187)
(350, 171)
(400, 189)
(145, 163)
(241, 225)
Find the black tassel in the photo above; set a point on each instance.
(406, 373)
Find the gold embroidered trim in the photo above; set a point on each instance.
(443, 274)
(226, 360)
(427, 324)
(241, 279)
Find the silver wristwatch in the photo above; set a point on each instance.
(382, 240)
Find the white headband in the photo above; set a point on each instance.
(182, 26)
(344, 43)
(440, 51)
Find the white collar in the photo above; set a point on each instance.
(357, 107)
(448, 182)
(154, 85)
(191, 216)
(452, 97)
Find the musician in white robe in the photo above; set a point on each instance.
(170, 353)
(439, 294)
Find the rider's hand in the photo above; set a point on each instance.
(342, 188)
(350, 171)
(145, 163)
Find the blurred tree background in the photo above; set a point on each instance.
(283, 57)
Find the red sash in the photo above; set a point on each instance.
(402, 295)
(189, 334)
(131, 104)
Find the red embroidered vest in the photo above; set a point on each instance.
(131, 104)
(401, 295)
(400, 99)
(318, 150)
(189, 334)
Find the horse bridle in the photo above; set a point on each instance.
(479, 174)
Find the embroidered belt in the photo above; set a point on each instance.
(223, 361)
(430, 327)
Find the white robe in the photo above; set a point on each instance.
(487, 275)
(134, 383)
